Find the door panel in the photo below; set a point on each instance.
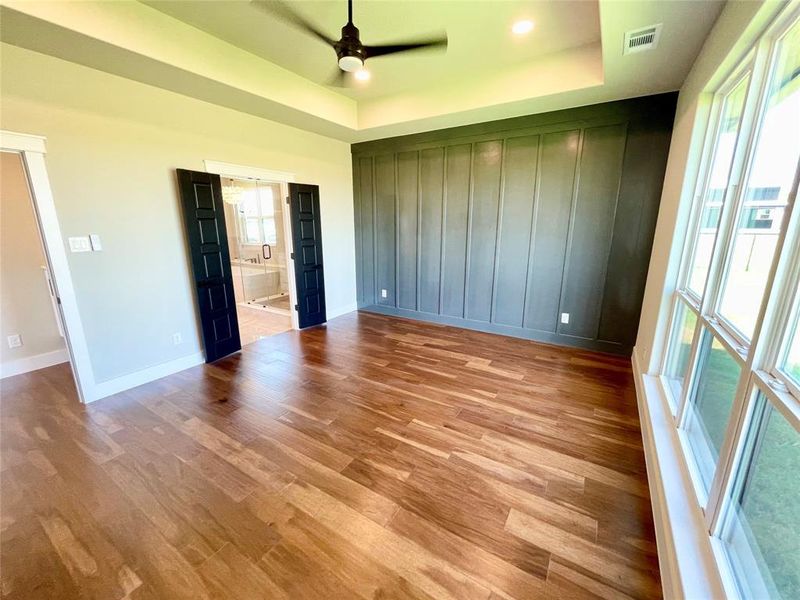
(307, 238)
(204, 220)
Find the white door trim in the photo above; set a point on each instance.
(32, 149)
(245, 172)
(284, 178)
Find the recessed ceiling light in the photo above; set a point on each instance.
(522, 27)
(362, 75)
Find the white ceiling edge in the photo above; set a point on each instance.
(83, 31)
(132, 40)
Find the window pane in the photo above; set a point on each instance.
(249, 202)
(267, 197)
(710, 405)
(761, 529)
(251, 231)
(768, 185)
(790, 364)
(717, 184)
(680, 348)
(270, 236)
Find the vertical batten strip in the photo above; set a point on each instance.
(468, 244)
(572, 210)
(419, 228)
(396, 164)
(601, 297)
(374, 232)
(442, 245)
(534, 220)
(498, 231)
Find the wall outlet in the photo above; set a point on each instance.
(176, 339)
(384, 294)
(80, 244)
(14, 340)
(565, 318)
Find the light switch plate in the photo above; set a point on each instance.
(565, 318)
(80, 244)
(94, 239)
(14, 340)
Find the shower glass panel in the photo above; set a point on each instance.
(259, 258)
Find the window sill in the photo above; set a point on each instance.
(685, 554)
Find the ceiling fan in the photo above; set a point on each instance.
(350, 52)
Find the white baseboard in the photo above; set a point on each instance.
(32, 363)
(685, 555)
(132, 380)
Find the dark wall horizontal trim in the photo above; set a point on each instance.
(516, 332)
(654, 108)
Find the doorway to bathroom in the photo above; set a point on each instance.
(259, 246)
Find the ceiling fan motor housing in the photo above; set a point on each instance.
(349, 49)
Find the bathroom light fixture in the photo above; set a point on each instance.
(231, 193)
(522, 27)
(362, 75)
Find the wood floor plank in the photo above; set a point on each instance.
(371, 458)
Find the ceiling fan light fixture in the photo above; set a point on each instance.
(363, 75)
(351, 64)
(522, 27)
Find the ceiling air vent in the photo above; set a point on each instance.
(639, 40)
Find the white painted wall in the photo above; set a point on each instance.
(733, 34)
(25, 306)
(113, 145)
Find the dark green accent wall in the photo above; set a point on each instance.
(503, 226)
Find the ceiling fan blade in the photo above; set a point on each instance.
(282, 11)
(383, 50)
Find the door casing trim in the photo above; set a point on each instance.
(283, 178)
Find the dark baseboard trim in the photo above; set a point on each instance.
(517, 332)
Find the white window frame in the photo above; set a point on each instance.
(760, 359)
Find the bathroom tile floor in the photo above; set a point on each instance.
(255, 324)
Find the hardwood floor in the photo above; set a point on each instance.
(372, 458)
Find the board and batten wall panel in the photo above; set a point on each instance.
(548, 245)
(365, 235)
(454, 246)
(483, 205)
(407, 232)
(385, 229)
(504, 226)
(514, 236)
(591, 224)
(430, 225)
